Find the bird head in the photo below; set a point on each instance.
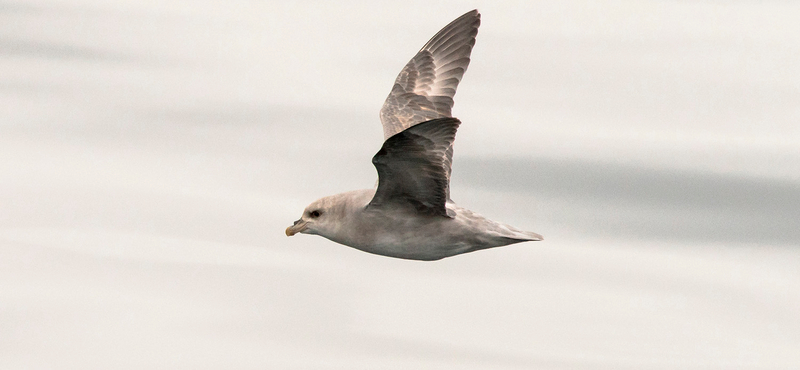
(317, 219)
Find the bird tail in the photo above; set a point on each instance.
(519, 235)
(532, 235)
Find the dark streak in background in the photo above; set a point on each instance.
(648, 203)
(19, 48)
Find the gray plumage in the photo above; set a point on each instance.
(410, 214)
(425, 88)
(412, 172)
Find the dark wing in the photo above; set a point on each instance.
(425, 87)
(412, 173)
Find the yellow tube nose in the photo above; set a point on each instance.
(297, 227)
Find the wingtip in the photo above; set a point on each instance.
(474, 13)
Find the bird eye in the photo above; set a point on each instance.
(314, 214)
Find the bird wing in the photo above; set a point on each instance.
(412, 173)
(425, 87)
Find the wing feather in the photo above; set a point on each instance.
(425, 88)
(413, 169)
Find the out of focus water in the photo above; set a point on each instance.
(151, 155)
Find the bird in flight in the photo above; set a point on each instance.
(410, 214)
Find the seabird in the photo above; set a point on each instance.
(410, 214)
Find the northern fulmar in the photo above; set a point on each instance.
(410, 214)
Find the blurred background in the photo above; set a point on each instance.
(152, 153)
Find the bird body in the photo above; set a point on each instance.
(410, 214)
(403, 233)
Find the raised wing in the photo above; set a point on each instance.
(412, 173)
(425, 87)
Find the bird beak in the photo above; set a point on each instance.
(297, 227)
